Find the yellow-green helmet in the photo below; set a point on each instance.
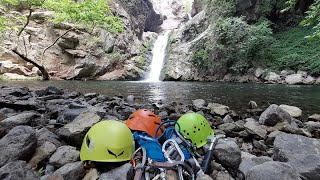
(195, 127)
(107, 141)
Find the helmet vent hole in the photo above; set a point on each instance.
(194, 131)
(151, 115)
(195, 127)
(145, 110)
(88, 141)
(198, 129)
(184, 131)
(188, 134)
(131, 117)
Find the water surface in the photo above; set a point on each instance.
(235, 95)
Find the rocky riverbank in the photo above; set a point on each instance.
(41, 133)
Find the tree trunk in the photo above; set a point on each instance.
(45, 75)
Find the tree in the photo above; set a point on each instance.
(312, 16)
(88, 15)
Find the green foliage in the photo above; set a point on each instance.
(293, 51)
(89, 14)
(312, 18)
(220, 8)
(116, 56)
(3, 24)
(235, 45)
(25, 3)
(41, 171)
(141, 61)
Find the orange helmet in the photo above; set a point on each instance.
(146, 121)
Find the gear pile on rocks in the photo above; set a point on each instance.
(41, 132)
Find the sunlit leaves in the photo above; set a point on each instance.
(312, 18)
(3, 23)
(88, 14)
(28, 3)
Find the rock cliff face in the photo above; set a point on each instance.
(80, 55)
(178, 65)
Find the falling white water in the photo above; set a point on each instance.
(158, 53)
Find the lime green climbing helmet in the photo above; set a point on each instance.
(195, 127)
(107, 141)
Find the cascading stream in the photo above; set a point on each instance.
(175, 12)
(158, 53)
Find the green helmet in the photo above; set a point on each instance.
(195, 127)
(107, 141)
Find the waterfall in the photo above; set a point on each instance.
(158, 56)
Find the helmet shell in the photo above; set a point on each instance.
(195, 127)
(146, 121)
(107, 141)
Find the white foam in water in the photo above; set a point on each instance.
(158, 55)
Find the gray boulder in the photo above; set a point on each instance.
(23, 118)
(50, 169)
(117, 173)
(218, 109)
(272, 170)
(42, 152)
(64, 155)
(313, 128)
(273, 115)
(51, 90)
(314, 117)
(290, 128)
(287, 147)
(198, 103)
(2, 116)
(309, 80)
(307, 166)
(253, 127)
(17, 170)
(223, 175)
(14, 91)
(69, 115)
(19, 144)
(44, 135)
(74, 132)
(131, 98)
(204, 177)
(294, 79)
(227, 119)
(259, 72)
(292, 110)
(93, 174)
(302, 73)
(70, 171)
(317, 81)
(229, 129)
(248, 161)
(286, 72)
(228, 153)
(272, 77)
(252, 105)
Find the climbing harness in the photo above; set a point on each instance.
(151, 160)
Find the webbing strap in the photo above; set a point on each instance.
(173, 165)
(138, 172)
